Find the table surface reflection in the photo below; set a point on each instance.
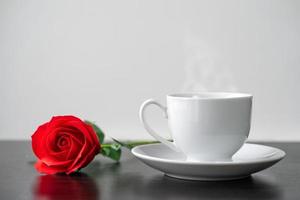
(131, 179)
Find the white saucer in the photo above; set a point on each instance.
(249, 159)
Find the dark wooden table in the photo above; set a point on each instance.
(131, 179)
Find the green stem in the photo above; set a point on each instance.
(132, 144)
(106, 145)
(129, 144)
(113, 150)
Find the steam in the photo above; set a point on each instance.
(204, 70)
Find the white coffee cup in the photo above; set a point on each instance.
(205, 126)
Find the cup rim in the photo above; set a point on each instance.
(209, 95)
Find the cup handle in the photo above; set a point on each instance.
(149, 129)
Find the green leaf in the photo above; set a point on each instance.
(98, 131)
(112, 151)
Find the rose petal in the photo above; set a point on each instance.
(51, 140)
(84, 161)
(59, 156)
(84, 151)
(52, 148)
(66, 153)
(74, 150)
(58, 121)
(93, 135)
(80, 126)
(74, 133)
(49, 162)
(37, 139)
(43, 168)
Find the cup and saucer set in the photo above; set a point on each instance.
(209, 131)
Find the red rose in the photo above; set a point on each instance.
(65, 144)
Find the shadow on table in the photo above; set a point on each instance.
(164, 187)
(130, 181)
(97, 169)
(76, 186)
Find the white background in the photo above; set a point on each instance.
(100, 60)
